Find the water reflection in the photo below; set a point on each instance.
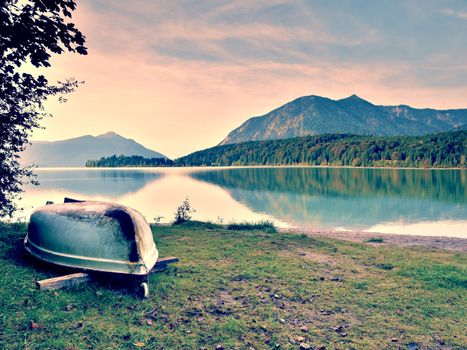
(431, 202)
(350, 198)
(111, 183)
(152, 191)
(447, 185)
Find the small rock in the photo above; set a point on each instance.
(338, 329)
(400, 312)
(282, 320)
(343, 334)
(69, 307)
(304, 329)
(292, 341)
(149, 322)
(337, 279)
(394, 340)
(412, 346)
(34, 325)
(139, 344)
(300, 339)
(320, 347)
(304, 346)
(219, 347)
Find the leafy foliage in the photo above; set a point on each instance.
(437, 150)
(128, 161)
(30, 31)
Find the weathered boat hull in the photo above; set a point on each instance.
(95, 236)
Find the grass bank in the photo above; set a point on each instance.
(246, 289)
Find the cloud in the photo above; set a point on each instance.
(178, 76)
(453, 13)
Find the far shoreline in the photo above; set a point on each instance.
(249, 166)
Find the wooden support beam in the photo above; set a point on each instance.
(75, 279)
(66, 281)
(162, 263)
(167, 260)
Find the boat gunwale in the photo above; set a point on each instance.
(139, 268)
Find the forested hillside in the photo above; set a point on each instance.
(436, 150)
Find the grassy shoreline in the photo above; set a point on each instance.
(246, 289)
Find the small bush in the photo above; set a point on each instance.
(157, 219)
(266, 226)
(375, 240)
(183, 212)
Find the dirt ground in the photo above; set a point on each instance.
(450, 243)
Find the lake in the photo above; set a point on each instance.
(409, 201)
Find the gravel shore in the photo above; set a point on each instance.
(450, 243)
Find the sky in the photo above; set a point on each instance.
(177, 76)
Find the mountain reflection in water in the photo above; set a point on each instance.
(429, 202)
(348, 198)
(103, 182)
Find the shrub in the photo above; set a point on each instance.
(375, 240)
(183, 212)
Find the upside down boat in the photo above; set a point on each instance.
(94, 236)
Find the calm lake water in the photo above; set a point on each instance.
(424, 202)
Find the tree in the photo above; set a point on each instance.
(30, 32)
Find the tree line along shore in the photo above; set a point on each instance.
(443, 150)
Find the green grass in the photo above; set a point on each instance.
(244, 289)
(264, 225)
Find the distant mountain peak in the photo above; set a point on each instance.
(314, 115)
(109, 134)
(78, 150)
(353, 97)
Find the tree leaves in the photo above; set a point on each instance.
(29, 32)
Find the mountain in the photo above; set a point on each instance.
(313, 115)
(76, 151)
